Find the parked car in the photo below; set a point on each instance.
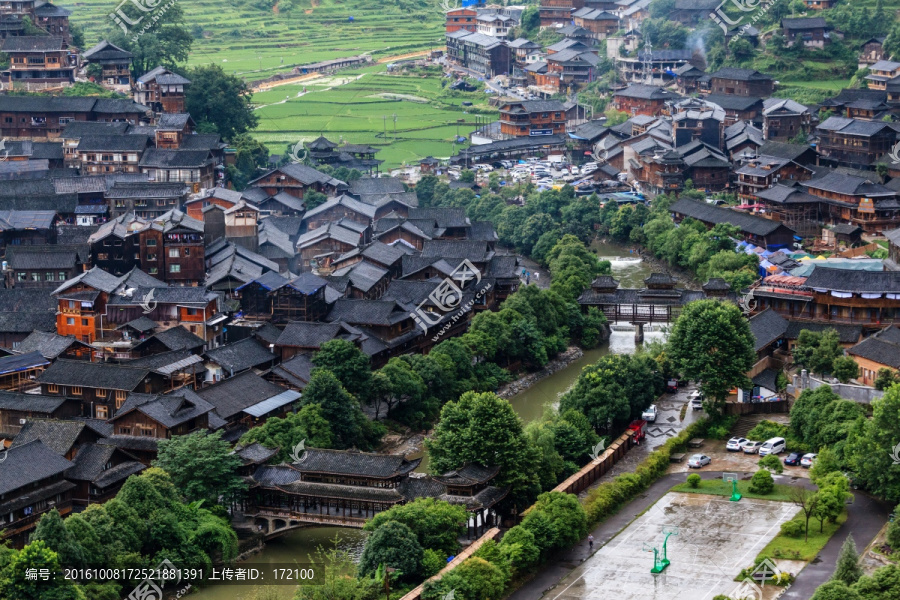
(773, 445)
(672, 386)
(793, 459)
(650, 414)
(735, 444)
(751, 447)
(808, 460)
(697, 404)
(698, 460)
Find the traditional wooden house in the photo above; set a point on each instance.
(555, 13)
(163, 416)
(101, 388)
(741, 82)
(763, 172)
(857, 201)
(99, 472)
(872, 51)
(687, 79)
(639, 99)
(162, 90)
(783, 120)
(600, 23)
(17, 409)
(879, 351)
(52, 346)
(44, 266)
(532, 117)
(172, 249)
(234, 358)
(31, 483)
(247, 400)
(23, 311)
(812, 32)
(303, 337)
(854, 143)
(114, 64)
(319, 247)
(293, 373)
(38, 62)
(46, 117)
(194, 167)
(462, 18)
(296, 179)
(691, 12)
(17, 372)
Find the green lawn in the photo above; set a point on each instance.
(717, 487)
(799, 548)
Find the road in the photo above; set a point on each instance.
(865, 519)
(488, 82)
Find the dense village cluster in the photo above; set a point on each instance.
(147, 297)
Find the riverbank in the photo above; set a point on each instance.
(683, 278)
(521, 384)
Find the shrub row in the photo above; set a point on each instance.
(604, 500)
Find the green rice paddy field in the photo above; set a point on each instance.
(257, 38)
(358, 107)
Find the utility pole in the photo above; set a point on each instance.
(384, 121)
(395, 127)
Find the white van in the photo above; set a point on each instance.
(772, 446)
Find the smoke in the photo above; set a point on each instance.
(696, 42)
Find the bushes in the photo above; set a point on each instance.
(693, 480)
(772, 463)
(607, 497)
(767, 429)
(762, 482)
(792, 529)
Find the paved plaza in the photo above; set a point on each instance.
(716, 539)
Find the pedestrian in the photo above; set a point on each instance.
(591, 542)
(537, 276)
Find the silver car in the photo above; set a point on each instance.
(698, 460)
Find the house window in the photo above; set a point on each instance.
(70, 320)
(35, 276)
(22, 276)
(102, 256)
(173, 253)
(175, 269)
(50, 276)
(125, 430)
(75, 390)
(85, 323)
(154, 270)
(101, 393)
(52, 389)
(145, 431)
(120, 398)
(151, 242)
(62, 276)
(151, 257)
(187, 251)
(102, 412)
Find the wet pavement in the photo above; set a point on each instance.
(715, 540)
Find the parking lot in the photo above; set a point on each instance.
(716, 539)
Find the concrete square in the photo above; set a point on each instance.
(717, 538)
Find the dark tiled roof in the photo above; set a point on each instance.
(59, 436)
(647, 92)
(367, 312)
(93, 375)
(176, 338)
(739, 103)
(241, 355)
(716, 284)
(48, 344)
(305, 334)
(878, 350)
(133, 442)
(348, 462)
(113, 143)
(30, 402)
(255, 454)
(232, 395)
(169, 410)
(20, 362)
(297, 370)
(740, 74)
(804, 23)
(767, 327)
(29, 463)
(848, 334)
(175, 159)
(709, 213)
(841, 280)
(42, 257)
(37, 43)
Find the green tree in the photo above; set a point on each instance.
(167, 43)
(816, 350)
(847, 569)
(483, 429)
(220, 100)
(883, 584)
(202, 466)
(870, 444)
(560, 519)
(306, 425)
(313, 199)
(436, 524)
(519, 546)
(338, 580)
(885, 378)
(474, 579)
(835, 590)
(845, 369)
(772, 463)
(348, 363)
(467, 176)
(826, 462)
(711, 343)
(340, 409)
(893, 532)
(395, 545)
(807, 501)
(51, 530)
(398, 383)
(36, 555)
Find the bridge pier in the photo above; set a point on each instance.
(638, 333)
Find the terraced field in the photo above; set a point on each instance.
(246, 38)
(358, 108)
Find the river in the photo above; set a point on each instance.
(529, 405)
